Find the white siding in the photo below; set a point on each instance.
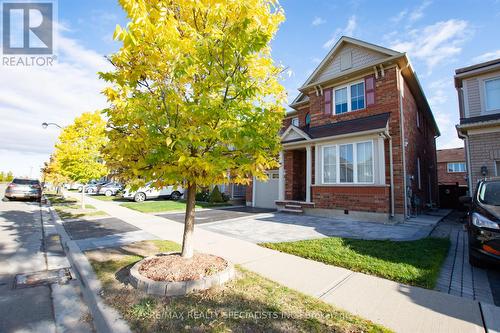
(360, 57)
(473, 98)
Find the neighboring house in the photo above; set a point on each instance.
(478, 88)
(360, 140)
(452, 176)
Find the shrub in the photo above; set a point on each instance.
(202, 196)
(216, 196)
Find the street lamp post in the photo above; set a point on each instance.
(45, 125)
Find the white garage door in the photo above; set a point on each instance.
(267, 192)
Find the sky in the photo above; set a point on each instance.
(438, 36)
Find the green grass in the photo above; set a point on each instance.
(249, 303)
(414, 262)
(110, 198)
(158, 206)
(70, 208)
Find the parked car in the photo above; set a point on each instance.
(484, 223)
(94, 187)
(74, 186)
(149, 192)
(21, 188)
(110, 189)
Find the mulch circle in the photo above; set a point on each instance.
(172, 267)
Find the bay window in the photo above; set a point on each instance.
(329, 164)
(348, 163)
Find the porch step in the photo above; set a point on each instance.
(292, 211)
(292, 206)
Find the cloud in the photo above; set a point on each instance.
(435, 43)
(318, 21)
(58, 93)
(348, 30)
(418, 12)
(487, 56)
(412, 15)
(440, 90)
(315, 60)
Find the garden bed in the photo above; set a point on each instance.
(248, 303)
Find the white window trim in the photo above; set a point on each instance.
(486, 110)
(295, 119)
(348, 86)
(355, 163)
(448, 167)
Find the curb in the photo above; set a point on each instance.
(105, 318)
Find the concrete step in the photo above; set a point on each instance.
(291, 206)
(292, 211)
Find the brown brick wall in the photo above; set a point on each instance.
(484, 150)
(356, 198)
(295, 176)
(421, 144)
(450, 178)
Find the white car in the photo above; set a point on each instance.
(148, 192)
(74, 186)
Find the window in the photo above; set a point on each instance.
(341, 101)
(346, 163)
(497, 168)
(307, 119)
(492, 92)
(329, 164)
(295, 121)
(364, 162)
(456, 167)
(418, 119)
(358, 96)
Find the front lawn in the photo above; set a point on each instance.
(69, 208)
(250, 303)
(158, 206)
(414, 262)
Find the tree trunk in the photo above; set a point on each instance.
(187, 239)
(83, 196)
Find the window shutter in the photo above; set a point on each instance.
(328, 101)
(370, 90)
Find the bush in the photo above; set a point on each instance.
(216, 196)
(202, 196)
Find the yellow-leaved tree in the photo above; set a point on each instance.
(195, 95)
(79, 148)
(52, 173)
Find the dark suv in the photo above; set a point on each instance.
(484, 223)
(21, 188)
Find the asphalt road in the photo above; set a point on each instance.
(26, 309)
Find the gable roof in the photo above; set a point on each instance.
(341, 43)
(451, 155)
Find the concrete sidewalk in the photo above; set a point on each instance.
(399, 307)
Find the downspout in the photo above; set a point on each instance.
(467, 153)
(403, 140)
(391, 170)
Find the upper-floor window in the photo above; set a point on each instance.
(492, 94)
(456, 167)
(295, 121)
(350, 98)
(307, 119)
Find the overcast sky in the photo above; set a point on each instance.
(439, 36)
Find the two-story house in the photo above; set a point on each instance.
(478, 88)
(359, 141)
(452, 176)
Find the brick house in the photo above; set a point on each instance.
(359, 140)
(478, 89)
(452, 176)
